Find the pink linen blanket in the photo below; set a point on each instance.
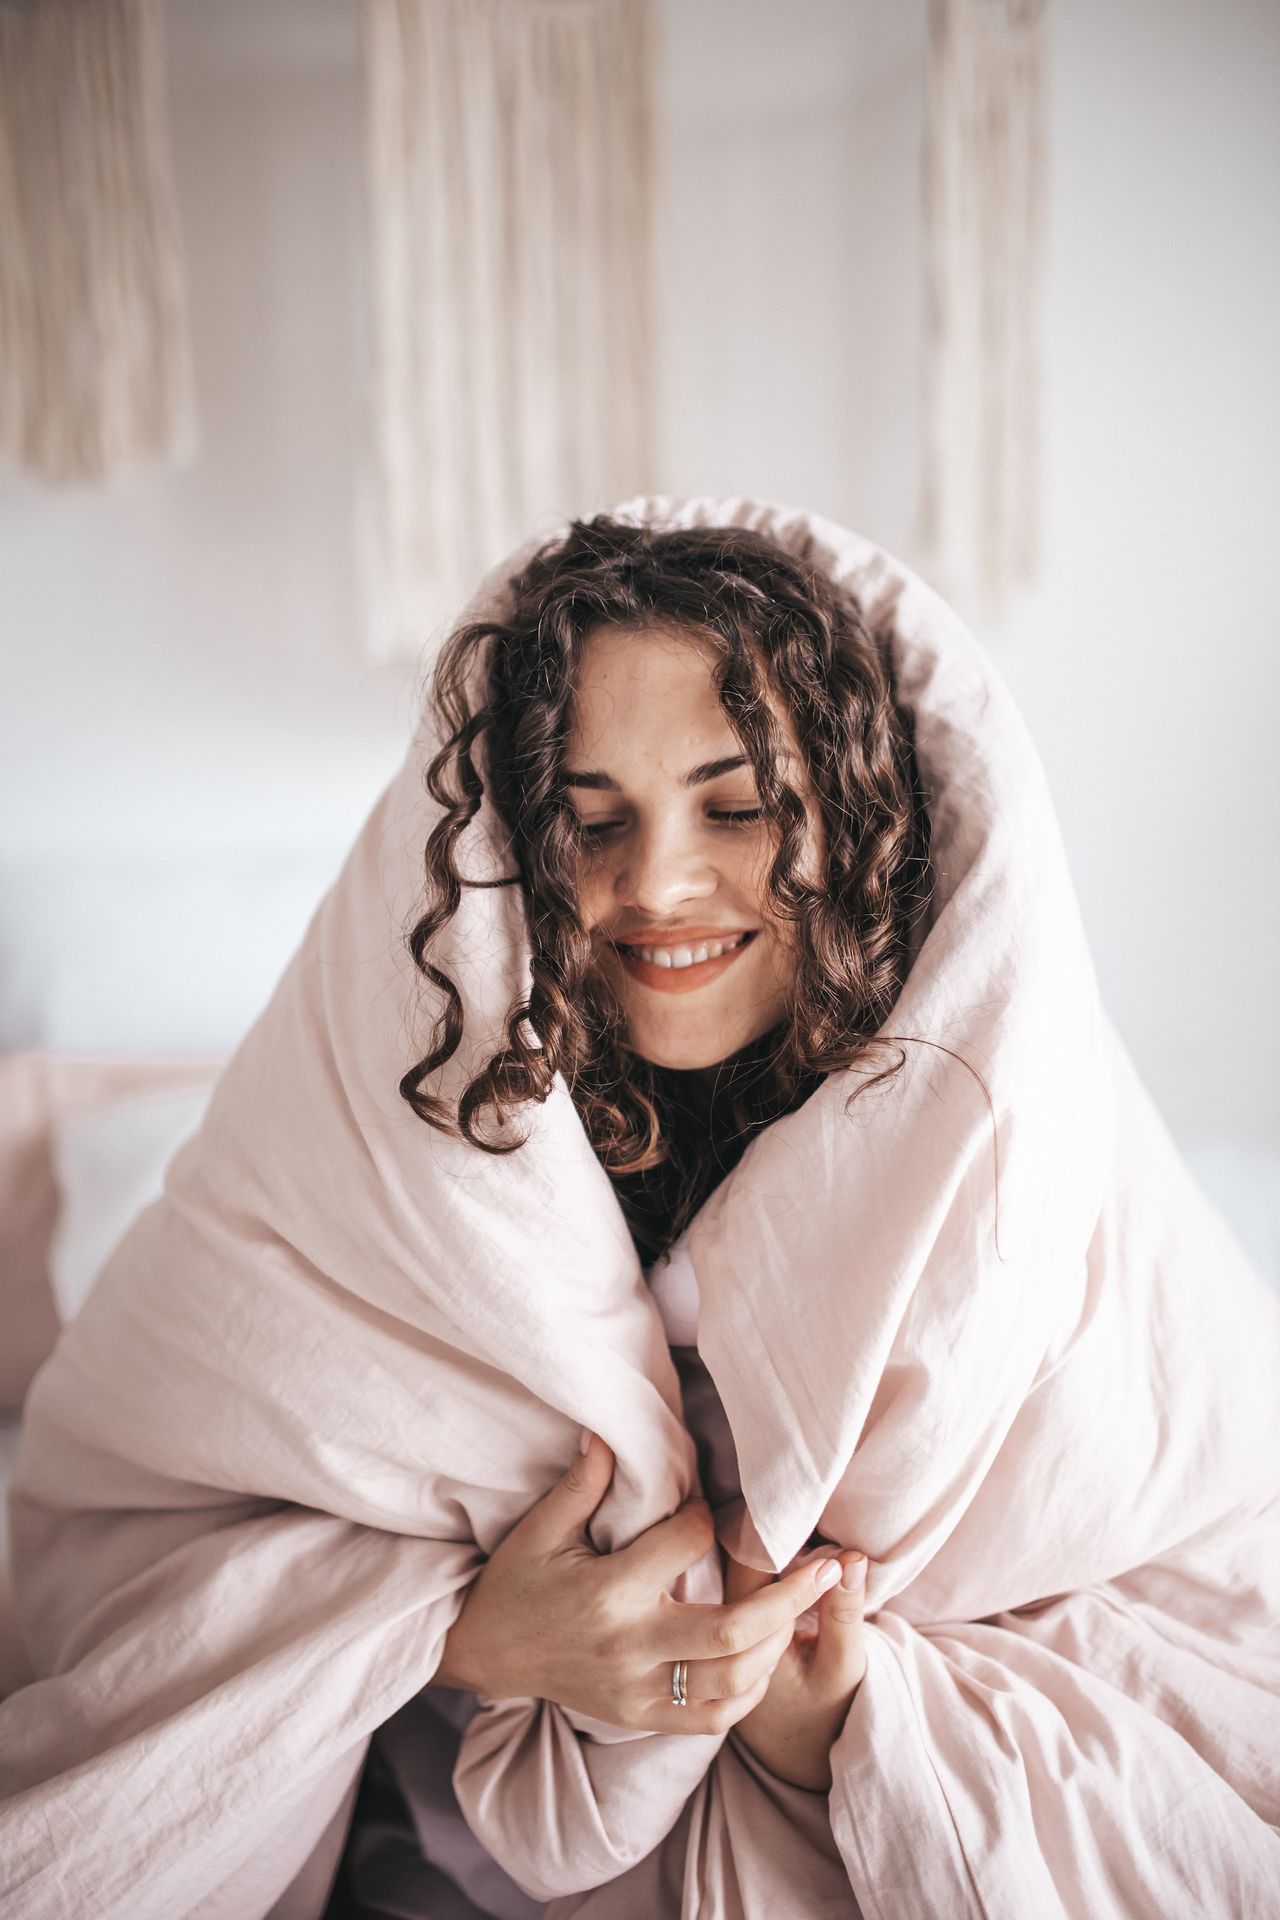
(1010, 1351)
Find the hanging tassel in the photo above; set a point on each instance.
(95, 366)
(984, 215)
(512, 201)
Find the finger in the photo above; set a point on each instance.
(729, 1677)
(839, 1658)
(655, 1560)
(711, 1716)
(688, 1631)
(559, 1519)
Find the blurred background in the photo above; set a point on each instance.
(198, 710)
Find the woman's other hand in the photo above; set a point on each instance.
(549, 1617)
(796, 1724)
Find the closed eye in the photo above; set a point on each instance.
(596, 832)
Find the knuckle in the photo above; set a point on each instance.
(614, 1642)
(602, 1626)
(727, 1637)
(610, 1647)
(574, 1478)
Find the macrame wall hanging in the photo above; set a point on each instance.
(511, 176)
(95, 364)
(984, 222)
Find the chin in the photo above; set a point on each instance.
(691, 1052)
(680, 1059)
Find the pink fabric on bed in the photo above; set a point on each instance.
(1010, 1351)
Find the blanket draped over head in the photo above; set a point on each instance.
(1008, 1350)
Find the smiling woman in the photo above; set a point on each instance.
(715, 812)
(922, 1555)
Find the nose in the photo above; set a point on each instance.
(661, 869)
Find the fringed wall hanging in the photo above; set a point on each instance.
(984, 220)
(512, 202)
(95, 365)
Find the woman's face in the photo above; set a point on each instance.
(673, 887)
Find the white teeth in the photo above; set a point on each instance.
(688, 956)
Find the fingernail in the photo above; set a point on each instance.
(855, 1573)
(828, 1574)
(585, 1441)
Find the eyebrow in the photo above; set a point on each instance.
(696, 777)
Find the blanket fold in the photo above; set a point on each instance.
(1004, 1741)
(978, 1322)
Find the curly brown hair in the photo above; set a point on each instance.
(782, 631)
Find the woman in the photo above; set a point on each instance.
(937, 1286)
(716, 823)
(717, 829)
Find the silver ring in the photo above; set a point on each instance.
(679, 1673)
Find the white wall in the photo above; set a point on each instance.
(183, 675)
(187, 668)
(1149, 664)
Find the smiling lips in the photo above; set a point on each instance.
(697, 959)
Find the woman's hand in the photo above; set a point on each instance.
(548, 1616)
(795, 1726)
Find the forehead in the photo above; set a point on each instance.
(645, 698)
(653, 656)
(636, 684)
